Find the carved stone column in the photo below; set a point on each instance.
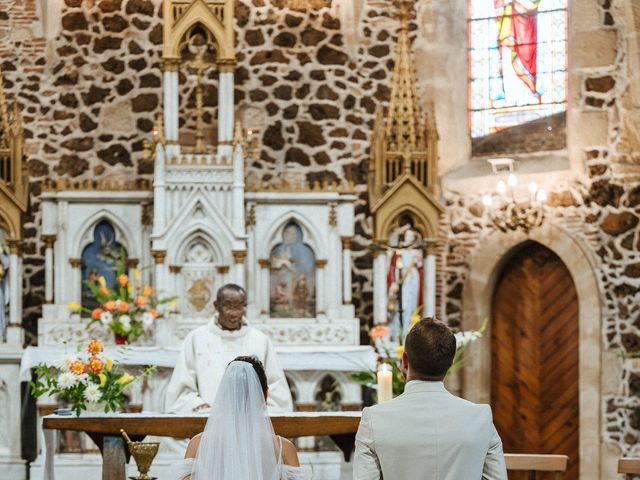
(75, 288)
(380, 286)
(321, 300)
(15, 334)
(225, 108)
(238, 266)
(429, 293)
(49, 241)
(346, 270)
(158, 258)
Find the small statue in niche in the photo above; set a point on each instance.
(405, 276)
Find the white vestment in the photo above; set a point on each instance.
(205, 354)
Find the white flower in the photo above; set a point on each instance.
(83, 378)
(125, 321)
(66, 380)
(465, 338)
(147, 319)
(106, 318)
(92, 393)
(66, 361)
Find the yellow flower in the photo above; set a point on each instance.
(103, 379)
(136, 274)
(108, 364)
(400, 351)
(73, 306)
(125, 379)
(102, 281)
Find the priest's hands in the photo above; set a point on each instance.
(203, 406)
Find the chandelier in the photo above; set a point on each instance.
(506, 212)
(306, 4)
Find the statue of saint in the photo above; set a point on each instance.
(404, 280)
(300, 294)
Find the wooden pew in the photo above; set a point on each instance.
(629, 466)
(533, 463)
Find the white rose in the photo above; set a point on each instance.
(125, 321)
(106, 318)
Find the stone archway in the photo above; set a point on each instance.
(485, 265)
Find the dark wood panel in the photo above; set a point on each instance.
(535, 353)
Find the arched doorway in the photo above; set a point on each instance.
(535, 355)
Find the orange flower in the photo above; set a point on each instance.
(95, 346)
(104, 291)
(109, 306)
(123, 307)
(95, 314)
(77, 367)
(95, 365)
(378, 332)
(146, 291)
(153, 312)
(123, 280)
(141, 301)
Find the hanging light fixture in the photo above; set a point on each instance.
(306, 4)
(507, 213)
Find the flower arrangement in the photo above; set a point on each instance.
(380, 334)
(86, 378)
(128, 310)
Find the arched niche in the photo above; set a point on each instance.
(198, 259)
(485, 265)
(292, 275)
(103, 257)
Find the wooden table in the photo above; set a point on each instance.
(104, 430)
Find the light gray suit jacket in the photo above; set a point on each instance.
(428, 433)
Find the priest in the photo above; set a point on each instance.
(207, 351)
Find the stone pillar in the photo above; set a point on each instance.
(170, 89)
(225, 108)
(429, 281)
(174, 272)
(75, 291)
(253, 309)
(263, 286)
(159, 191)
(223, 271)
(346, 270)
(321, 301)
(238, 267)
(49, 241)
(160, 280)
(380, 287)
(237, 206)
(15, 334)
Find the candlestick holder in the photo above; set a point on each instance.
(143, 453)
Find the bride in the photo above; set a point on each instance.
(238, 442)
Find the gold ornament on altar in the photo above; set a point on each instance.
(143, 453)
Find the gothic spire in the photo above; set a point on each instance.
(404, 126)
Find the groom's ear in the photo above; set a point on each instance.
(405, 364)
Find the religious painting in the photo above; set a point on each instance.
(517, 62)
(100, 259)
(292, 276)
(198, 277)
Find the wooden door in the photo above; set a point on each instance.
(534, 341)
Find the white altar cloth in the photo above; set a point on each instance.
(329, 358)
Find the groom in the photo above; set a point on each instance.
(207, 351)
(426, 432)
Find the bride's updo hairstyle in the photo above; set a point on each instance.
(258, 368)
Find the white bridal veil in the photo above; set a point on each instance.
(238, 442)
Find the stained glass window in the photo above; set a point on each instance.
(517, 62)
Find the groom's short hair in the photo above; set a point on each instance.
(430, 346)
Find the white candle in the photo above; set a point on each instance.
(385, 383)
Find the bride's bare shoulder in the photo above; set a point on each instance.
(289, 453)
(192, 448)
